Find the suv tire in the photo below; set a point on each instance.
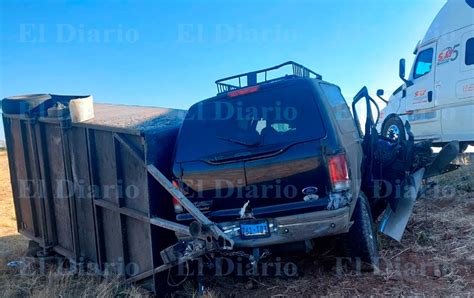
(362, 238)
(393, 129)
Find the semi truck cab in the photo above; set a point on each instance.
(437, 98)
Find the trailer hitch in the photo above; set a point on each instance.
(205, 235)
(208, 230)
(202, 227)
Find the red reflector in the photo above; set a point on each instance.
(338, 172)
(177, 206)
(243, 91)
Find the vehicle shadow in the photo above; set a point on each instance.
(12, 247)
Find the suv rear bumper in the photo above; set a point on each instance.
(293, 228)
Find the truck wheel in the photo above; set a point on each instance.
(362, 237)
(378, 208)
(393, 129)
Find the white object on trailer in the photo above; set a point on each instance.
(81, 109)
(438, 96)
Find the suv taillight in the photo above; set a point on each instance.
(338, 172)
(177, 206)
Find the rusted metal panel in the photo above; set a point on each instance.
(105, 166)
(18, 176)
(83, 194)
(97, 199)
(48, 219)
(58, 188)
(139, 251)
(24, 176)
(105, 180)
(133, 180)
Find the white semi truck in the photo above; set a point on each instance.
(437, 98)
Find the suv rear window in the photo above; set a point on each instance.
(272, 117)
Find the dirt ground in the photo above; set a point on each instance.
(11, 244)
(434, 258)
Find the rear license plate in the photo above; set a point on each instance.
(254, 229)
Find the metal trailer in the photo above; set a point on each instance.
(97, 192)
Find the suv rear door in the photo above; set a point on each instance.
(268, 141)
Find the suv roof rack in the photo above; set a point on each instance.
(223, 85)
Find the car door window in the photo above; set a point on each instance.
(423, 64)
(470, 51)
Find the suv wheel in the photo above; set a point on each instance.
(393, 129)
(362, 238)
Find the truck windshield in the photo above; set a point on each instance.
(273, 117)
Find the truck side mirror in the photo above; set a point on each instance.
(401, 70)
(380, 94)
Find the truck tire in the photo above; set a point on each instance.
(393, 129)
(362, 241)
(26, 104)
(378, 208)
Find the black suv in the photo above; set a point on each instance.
(276, 160)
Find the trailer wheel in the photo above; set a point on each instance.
(33, 249)
(362, 237)
(393, 129)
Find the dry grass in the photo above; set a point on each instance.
(435, 258)
(30, 283)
